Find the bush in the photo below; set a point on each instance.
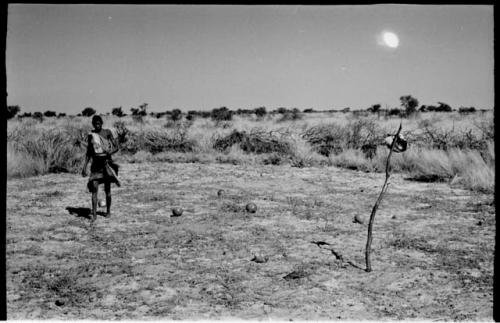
(49, 114)
(54, 150)
(394, 112)
(176, 115)
(257, 141)
(465, 110)
(260, 112)
(38, 116)
(12, 110)
(374, 108)
(409, 103)
(291, 115)
(333, 139)
(117, 112)
(221, 114)
(156, 141)
(88, 112)
(141, 111)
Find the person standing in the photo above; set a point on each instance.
(100, 147)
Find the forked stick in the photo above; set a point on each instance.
(375, 207)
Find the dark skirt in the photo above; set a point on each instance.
(102, 170)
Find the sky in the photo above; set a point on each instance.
(64, 58)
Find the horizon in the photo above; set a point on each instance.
(65, 58)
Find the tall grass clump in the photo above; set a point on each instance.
(157, 141)
(352, 159)
(333, 138)
(472, 170)
(256, 141)
(50, 151)
(20, 164)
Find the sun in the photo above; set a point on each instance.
(390, 39)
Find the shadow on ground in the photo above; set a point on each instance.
(83, 212)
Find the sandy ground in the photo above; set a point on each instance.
(432, 258)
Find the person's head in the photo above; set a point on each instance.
(97, 122)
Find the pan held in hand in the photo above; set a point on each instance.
(400, 145)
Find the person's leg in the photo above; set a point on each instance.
(95, 189)
(107, 189)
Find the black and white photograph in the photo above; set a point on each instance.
(282, 162)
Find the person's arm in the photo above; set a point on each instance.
(114, 142)
(88, 156)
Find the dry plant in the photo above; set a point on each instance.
(377, 203)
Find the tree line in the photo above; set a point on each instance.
(409, 107)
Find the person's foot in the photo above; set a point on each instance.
(108, 214)
(94, 217)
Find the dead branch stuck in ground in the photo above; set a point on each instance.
(375, 207)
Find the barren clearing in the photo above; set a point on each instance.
(432, 257)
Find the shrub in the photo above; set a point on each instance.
(121, 132)
(333, 138)
(141, 111)
(260, 112)
(176, 115)
(257, 141)
(54, 150)
(374, 108)
(117, 112)
(12, 110)
(156, 141)
(38, 116)
(465, 110)
(221, 114)
(394, 112)
(291, 115)
(409, 103)
(88, 112)
(351, 159)
(443, 107)
(49, 113)
(21, 164)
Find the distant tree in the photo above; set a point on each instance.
(88, 112)
(394, 112)
(345, 110)
(26, 115)
(61, 115)
(282, 110)
(12, 110)
(38, 115)
(49, 113)
(465, 110)
(309, 110)
(221, 114)
(374, 108)
(118, 111)
(443, 107)
(409, 103)
(141, 111)
(260, 112)
(176, 115)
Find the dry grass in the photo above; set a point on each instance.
(315, 140)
